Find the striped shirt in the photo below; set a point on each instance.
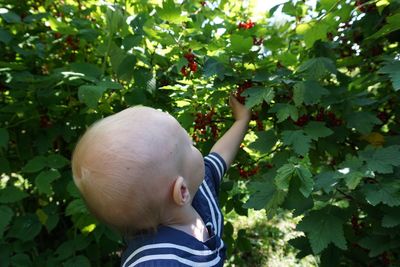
(172, 247)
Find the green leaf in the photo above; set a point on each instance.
(362, 121)
(284, 111)
(308, 92)
(36, 164)
(298, 139)
(392, 25)
(322, 228)
(295, 200)
(265, 141)
(25, 227)
(5, 37)
(11, 194)
(382, 160)
(261, 194)
(257, 95)
(317, 68)
(171, 12)
(76, 206)
(393, 70)
(352, 179)
(9, 16)
(213, 67)
(126, 68)
(377, 244)
(56, 161)
(385, 193)
(77, 261)
(44, 179)
(284, 175)
(315, 130)
(4, 137)
(91, 94)
(6, 215)
(144, 79)
(326, 181)
(391, 218)
(240, 44)
(327, 4)
(313, 31)
(305, 176)
(87, 69)
(21, 260)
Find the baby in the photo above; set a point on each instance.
(139, 172)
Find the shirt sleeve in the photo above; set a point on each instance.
(215, 168)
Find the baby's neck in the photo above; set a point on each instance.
(192, 224)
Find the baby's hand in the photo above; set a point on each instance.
(240, 111)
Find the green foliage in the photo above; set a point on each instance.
(324, 141)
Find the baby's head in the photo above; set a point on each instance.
(136, 166)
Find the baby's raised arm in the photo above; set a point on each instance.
(228, 145)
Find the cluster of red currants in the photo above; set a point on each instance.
(246, 173)
(202, 123)
(191, 66)
(241, 88)
(246, 25)
(329, 117)
(255, 117)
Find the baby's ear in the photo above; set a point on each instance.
(181, 192)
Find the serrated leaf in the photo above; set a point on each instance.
(36, 164)
(6, 215)
(391, 218)
(144, 79)
(240, 43)
(326, 181)
(78, 261)
(382, 160)
(391, 26)
(76, 206)
(305, 176)
(56, 161)
(213, 67)
(295, 200)
(90, 94)
(352, 179)
(283, 176)
(317, 130)
(11, 194)
(5, 36)
(44, 179)
(322, 228)
(265, 141)
(284, 111)
(385, 193)
(257, 95)
(126, 68)
(317, 68)
(393, 70)
(308, 92)
(377, 244)
(312, 31)
(171, 12)
(298, 139)
(21, 260)
(87, 69)
(4, 137)
(261, 194)
(25, 227)
(362, 121)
